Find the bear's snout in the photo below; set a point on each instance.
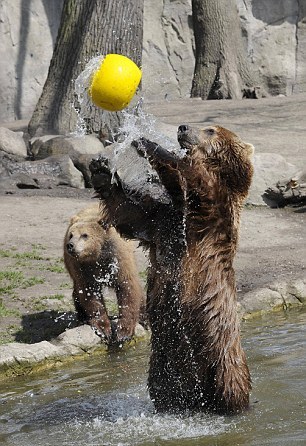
(187, 137)
(183, 129)
(70, 247)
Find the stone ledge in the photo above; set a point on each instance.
(22, 359)
(278, 296)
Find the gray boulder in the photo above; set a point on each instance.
(28, 33)
(12, 142)
(268, 169)
(275, 35)
(46, 174)
(45, 146)
(9, 183)
(82, 164)
(168, 54)
(289, 191)
(17, 358)
(80, 149)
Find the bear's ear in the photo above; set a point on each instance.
(250, 149)
(74, 219)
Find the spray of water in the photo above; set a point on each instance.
(134, 123)
(128, 419)
(81, 86)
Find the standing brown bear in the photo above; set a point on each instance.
(96, 256)
(197, 361)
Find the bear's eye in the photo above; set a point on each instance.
(70, 236)
(84, 236)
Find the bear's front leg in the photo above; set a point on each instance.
(129, 295)
(91, 309)
(168, 166)
(101, 176)
(155, 152)
(132, 217)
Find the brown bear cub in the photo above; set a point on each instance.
(96, 256)
(197, 361)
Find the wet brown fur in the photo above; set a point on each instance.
(95, 255)
(197, 362)
(222, 163)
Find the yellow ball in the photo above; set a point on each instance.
(114, 83)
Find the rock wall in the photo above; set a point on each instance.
(274, 32)
(28, 30)
(168, 53)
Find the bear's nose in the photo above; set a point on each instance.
(69, 247)
(184, 128)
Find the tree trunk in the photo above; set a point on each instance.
(221, 69)
(88, 28)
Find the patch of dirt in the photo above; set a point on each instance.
(39, 306)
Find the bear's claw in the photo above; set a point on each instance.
(101, 176)
(98, 165)
(154, 151)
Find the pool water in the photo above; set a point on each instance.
(103, 400)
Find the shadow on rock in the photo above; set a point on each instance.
(45, 326)
(300, 210)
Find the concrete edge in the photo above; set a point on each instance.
(18, 359)
(280, 295)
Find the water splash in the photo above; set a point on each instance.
(81, 86)
(112, 419)
(129, 419)
(107, 277)
(103, 401)
(135, 123)
(141, 429)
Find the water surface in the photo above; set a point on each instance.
(102, 401)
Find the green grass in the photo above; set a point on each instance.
(27, 255)
(4, 312)
(9, 334)
(37, 246)
(56, 296)
(31, 281)
(10, 280)
(5, 253)
(40, 304)
(56, 267)
(65, 286)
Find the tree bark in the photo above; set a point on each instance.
(88, 28)
(221, 69)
